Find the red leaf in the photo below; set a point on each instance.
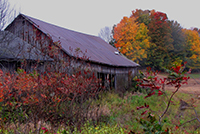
(150, 94)
(144, 112)
(186, 78)
(157, 87)
(138, 108)
(138, 80)
(146, 106)
(146, 85)
(43, 128)
(176, 127)
(184, 83)
(177, 86)
(176, 69)
(160, 93)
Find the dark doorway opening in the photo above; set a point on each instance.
(107, 80)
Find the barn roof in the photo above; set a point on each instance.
(98, 50)
(14, 48)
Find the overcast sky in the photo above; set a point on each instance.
(89, 16)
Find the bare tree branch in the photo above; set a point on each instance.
(6, 13)
(168, 104)
(106, 34)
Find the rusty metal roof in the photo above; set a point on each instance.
(97, 49)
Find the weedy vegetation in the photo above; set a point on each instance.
(62, 104)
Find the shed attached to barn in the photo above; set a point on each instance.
(107, 62)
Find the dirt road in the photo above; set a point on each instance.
(193, 87)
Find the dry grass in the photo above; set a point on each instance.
(193, 87)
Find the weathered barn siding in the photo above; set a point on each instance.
(103, 60)
(122, 75)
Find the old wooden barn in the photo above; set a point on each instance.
(107, 62)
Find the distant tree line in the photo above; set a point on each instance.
(149, 38)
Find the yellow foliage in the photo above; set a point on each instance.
(194, 56)
(193, 44)
(193, 40)
(132, 38)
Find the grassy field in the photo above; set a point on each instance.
(122, 111)
(119, 114)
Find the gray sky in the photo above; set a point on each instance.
(89, 16)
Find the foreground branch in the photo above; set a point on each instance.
(168, 104)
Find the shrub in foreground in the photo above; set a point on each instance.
(27, 101)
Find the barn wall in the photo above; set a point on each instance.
(122, 75)
(122, 81)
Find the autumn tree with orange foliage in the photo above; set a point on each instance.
(132, 39)
(192, 48)
(145, 37)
